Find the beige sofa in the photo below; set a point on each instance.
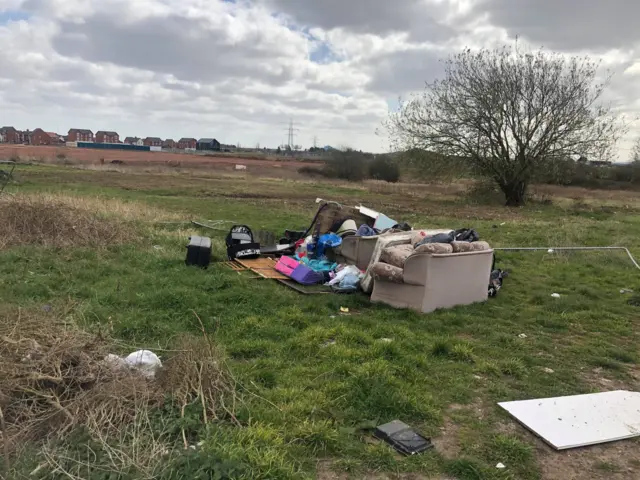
(432, 281)
(358, 251)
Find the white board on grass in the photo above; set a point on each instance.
(580, 420)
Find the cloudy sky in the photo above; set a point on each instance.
(238, 70)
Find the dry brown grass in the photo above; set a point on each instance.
(54, 380)
(53, 223)
(62, 220)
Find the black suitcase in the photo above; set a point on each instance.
(199, 251)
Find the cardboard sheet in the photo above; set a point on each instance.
(580, 420)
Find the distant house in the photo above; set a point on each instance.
(10, 135)
(153, 142)
(80, 135)
(134, 141)
(208, 144)
(107, 137)
(184, 143)
(25, 136)
(40, 137)
(169, 143)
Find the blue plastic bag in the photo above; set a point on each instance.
(328, 240)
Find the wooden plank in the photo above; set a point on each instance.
(265, 267)
(236, 267)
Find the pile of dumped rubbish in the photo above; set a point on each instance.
(348, 249)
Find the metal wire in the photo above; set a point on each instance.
(534, 249)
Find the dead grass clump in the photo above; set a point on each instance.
(199, 377)
(55, 382)
(51, 222)
(53, 379)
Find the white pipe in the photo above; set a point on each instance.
(534, 249)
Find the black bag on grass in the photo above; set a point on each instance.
(241, 244)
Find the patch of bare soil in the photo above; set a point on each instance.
(615, 461)
(324, 471)
(599, 379)
(448, 442)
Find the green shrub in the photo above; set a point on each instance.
(312, 171)
(347, 165)
(383, 167)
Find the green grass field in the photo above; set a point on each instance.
(312, 381)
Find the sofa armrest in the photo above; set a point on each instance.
(416, 267)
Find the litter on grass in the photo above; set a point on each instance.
(580, 420)
(346, 249)
(555, 295)
(403, 438)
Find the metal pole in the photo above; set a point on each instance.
(560, 249)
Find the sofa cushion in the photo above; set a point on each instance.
(384, 271)
(418, 236)
(480, 246)
(462, 247)
(397, 255)
(434, 248)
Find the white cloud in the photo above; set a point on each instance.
(240, 70)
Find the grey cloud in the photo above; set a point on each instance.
(187, 48)
(400, 72)
(377, 17)
(567, 24)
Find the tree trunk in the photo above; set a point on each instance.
(515, 193)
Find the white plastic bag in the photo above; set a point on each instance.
(351, 269)
(145, 361)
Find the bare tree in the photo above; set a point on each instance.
(508, 114)
(635, 152)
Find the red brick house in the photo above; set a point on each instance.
(169, 143)
(10, 135)
(153, 142)
(25, 136)
(107, 137)
(80, 135)
(187, 143)
(40, 137)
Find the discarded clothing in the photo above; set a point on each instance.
(320, 265)
(495, 281)
(366, 231)
(466, 235)
(403, 227)
(340, 275)
(350, 281)
(439, 238)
